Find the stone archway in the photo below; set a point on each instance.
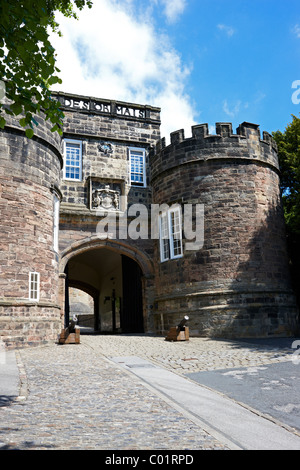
(118, 277)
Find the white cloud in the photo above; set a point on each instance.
(259, 96)
(229, 30)
(212, 129)
(173, 9)
(296, 30)
(235, 108)
(233, 111)
(111, 53)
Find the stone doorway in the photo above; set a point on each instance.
(104, 290)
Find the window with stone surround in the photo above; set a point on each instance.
(34, 286)
(170, 234)
(72, 160)
(137, 166)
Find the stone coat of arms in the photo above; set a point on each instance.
(106, 198)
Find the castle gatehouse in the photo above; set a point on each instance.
(130, 234)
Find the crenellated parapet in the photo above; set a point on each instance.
(247, 143)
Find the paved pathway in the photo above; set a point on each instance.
(76, 397)
(196, 355)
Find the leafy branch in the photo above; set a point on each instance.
(27, 59)
(288, 143)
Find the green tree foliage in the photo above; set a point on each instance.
(289, 160)
(27, 58)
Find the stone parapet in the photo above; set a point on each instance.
(245, 144)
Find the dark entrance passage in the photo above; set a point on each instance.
(114, 284)
(132, 312)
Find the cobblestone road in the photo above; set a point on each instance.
(74, 397)
(198, 354)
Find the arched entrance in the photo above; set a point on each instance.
(114, 280)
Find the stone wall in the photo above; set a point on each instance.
(238, 283)
(29, 182)
(119, 126)
(106, 130)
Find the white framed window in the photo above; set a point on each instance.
(164, 237)
(175, 232)
(170, 234)
(137, 166)
(55, 223)
(34, 286)
(72, 160)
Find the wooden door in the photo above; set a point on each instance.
(132, 309)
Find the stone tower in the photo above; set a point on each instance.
(237, 284)
(29, 205)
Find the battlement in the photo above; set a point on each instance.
(200, 133)
(247, 145)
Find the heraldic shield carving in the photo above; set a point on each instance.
(106, 198)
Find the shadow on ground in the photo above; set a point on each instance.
(7, 400)
(262, 344)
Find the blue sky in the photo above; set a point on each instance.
(201, 61)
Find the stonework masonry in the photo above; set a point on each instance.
(236, 285)
(30, 178)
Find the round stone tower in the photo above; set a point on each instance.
(29, 207)
(236, 283)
